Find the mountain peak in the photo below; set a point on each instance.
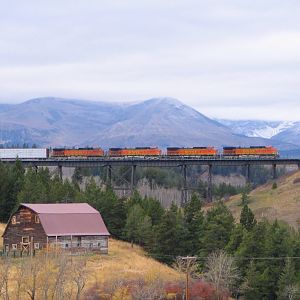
(165, 100)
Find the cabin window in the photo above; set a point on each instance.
(6, 248)
(25, 239)
(14, 220)
(66, 245)
(37, 246)
(36, 219)
(14, 247)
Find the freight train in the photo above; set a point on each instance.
(205, 152)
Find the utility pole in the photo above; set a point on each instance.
(189, 263)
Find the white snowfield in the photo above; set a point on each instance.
(23, 153)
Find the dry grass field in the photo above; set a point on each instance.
(282, 203)
(130, 263)
(122, 263)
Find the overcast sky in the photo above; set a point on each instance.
(236, 59)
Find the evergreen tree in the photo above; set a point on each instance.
(153, 209)
(170, 236)
(193, 219)
(134, 218)
(252, 245)
(36, 187)
(247, 218)
(287, 278)
(256, 283)
(236, 239)
(11, 182)
(278, 244)
(218, 226)
(245, 198)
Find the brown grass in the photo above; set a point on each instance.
(128, 263)
(282, 203)
(124, 262)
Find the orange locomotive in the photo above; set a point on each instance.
(138, 151)
(195, 151)
(86, 152)
(251, 151)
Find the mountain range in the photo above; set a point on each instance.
(162, 122)
(281, 131)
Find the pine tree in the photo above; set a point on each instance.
(247, 218)
(236, 239)
(245, 198)
(170, 236)
(134, 220)
(278, 244)
(256, 283)
(153, 209)
(193, 219)
(287, 278)
(218, 226)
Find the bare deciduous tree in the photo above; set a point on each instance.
(148, 290)
(61, 287)
(292, 292)
(19, 277)
(5, 267)
(79, 275)
(221, 271)
(33, 269)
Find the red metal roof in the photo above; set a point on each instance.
(69, 219)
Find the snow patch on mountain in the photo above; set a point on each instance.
(254, 128)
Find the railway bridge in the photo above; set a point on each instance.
(162, 162)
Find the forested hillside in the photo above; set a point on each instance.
(260, 259)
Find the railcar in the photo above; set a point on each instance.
(252, 151)
(195, 151)
(80, 152)
(138, 151)
(24, 153)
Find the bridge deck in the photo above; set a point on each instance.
(153, 161)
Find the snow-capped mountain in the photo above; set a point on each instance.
(254, 128)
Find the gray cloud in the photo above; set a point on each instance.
(226, 58)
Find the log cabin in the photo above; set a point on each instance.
(69, 226)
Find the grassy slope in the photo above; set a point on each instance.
(282, 203)
(130, 263)
(125, 262)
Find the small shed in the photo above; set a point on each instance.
(65, 225)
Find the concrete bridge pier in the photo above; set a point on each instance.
(60, 172)
(274, 172)
(248, 173)
(132, 179)
(184, 189)
(209, 183)
(108, 175)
